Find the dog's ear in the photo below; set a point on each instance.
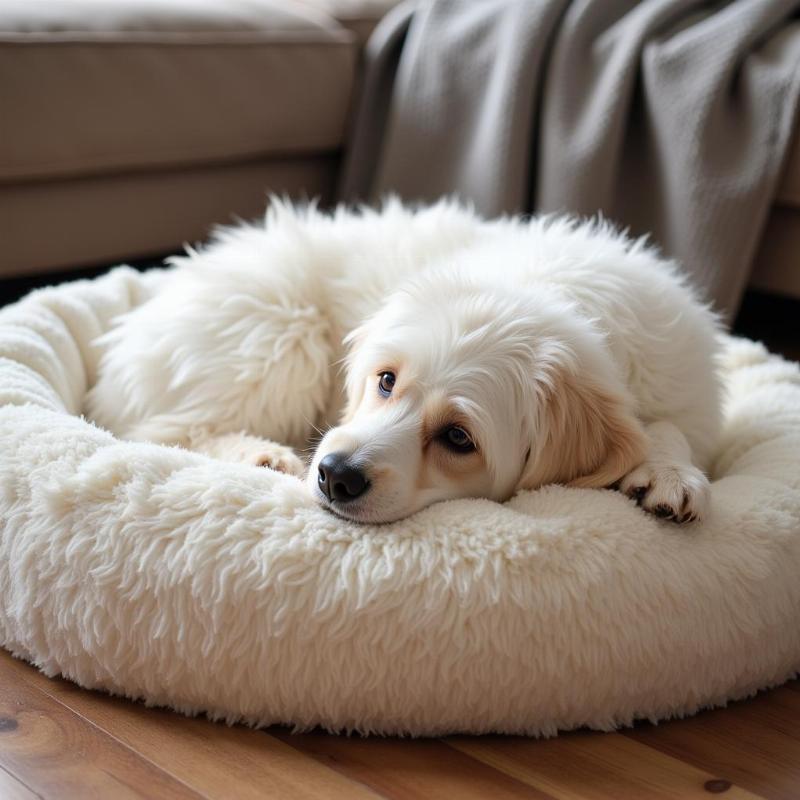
(586, 437)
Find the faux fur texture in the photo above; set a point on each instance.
(166, 575)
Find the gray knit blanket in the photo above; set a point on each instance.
(670, 117)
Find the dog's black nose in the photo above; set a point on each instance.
(341, 480)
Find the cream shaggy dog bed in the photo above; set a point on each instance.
(165, 575)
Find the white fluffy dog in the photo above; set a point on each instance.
(481, 358)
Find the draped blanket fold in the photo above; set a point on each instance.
(670, 117)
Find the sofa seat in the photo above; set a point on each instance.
(777, 265)
(137, 123)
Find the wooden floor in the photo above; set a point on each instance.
(60, 741)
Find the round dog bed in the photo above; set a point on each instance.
(210, 587)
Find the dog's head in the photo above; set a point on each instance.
(458, 388)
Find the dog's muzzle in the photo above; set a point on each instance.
(339, 479)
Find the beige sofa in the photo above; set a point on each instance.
(131, 126)
(777, 265)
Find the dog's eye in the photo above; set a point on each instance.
(386, 383)
(457, 439)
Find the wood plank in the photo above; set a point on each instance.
(595, 766)
(214, 759)
(753, 743)
(57, 754)
(12, 789)
(779, 709)
(411, 769)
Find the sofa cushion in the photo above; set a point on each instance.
(359, 16)
(95, 87)
(789, 189)
(776, 267)
(51, 225)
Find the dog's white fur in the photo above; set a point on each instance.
(570, 353)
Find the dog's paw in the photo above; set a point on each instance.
(678, 492)
(279, 458)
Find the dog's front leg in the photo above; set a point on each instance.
(247, 449)
(668, 484)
